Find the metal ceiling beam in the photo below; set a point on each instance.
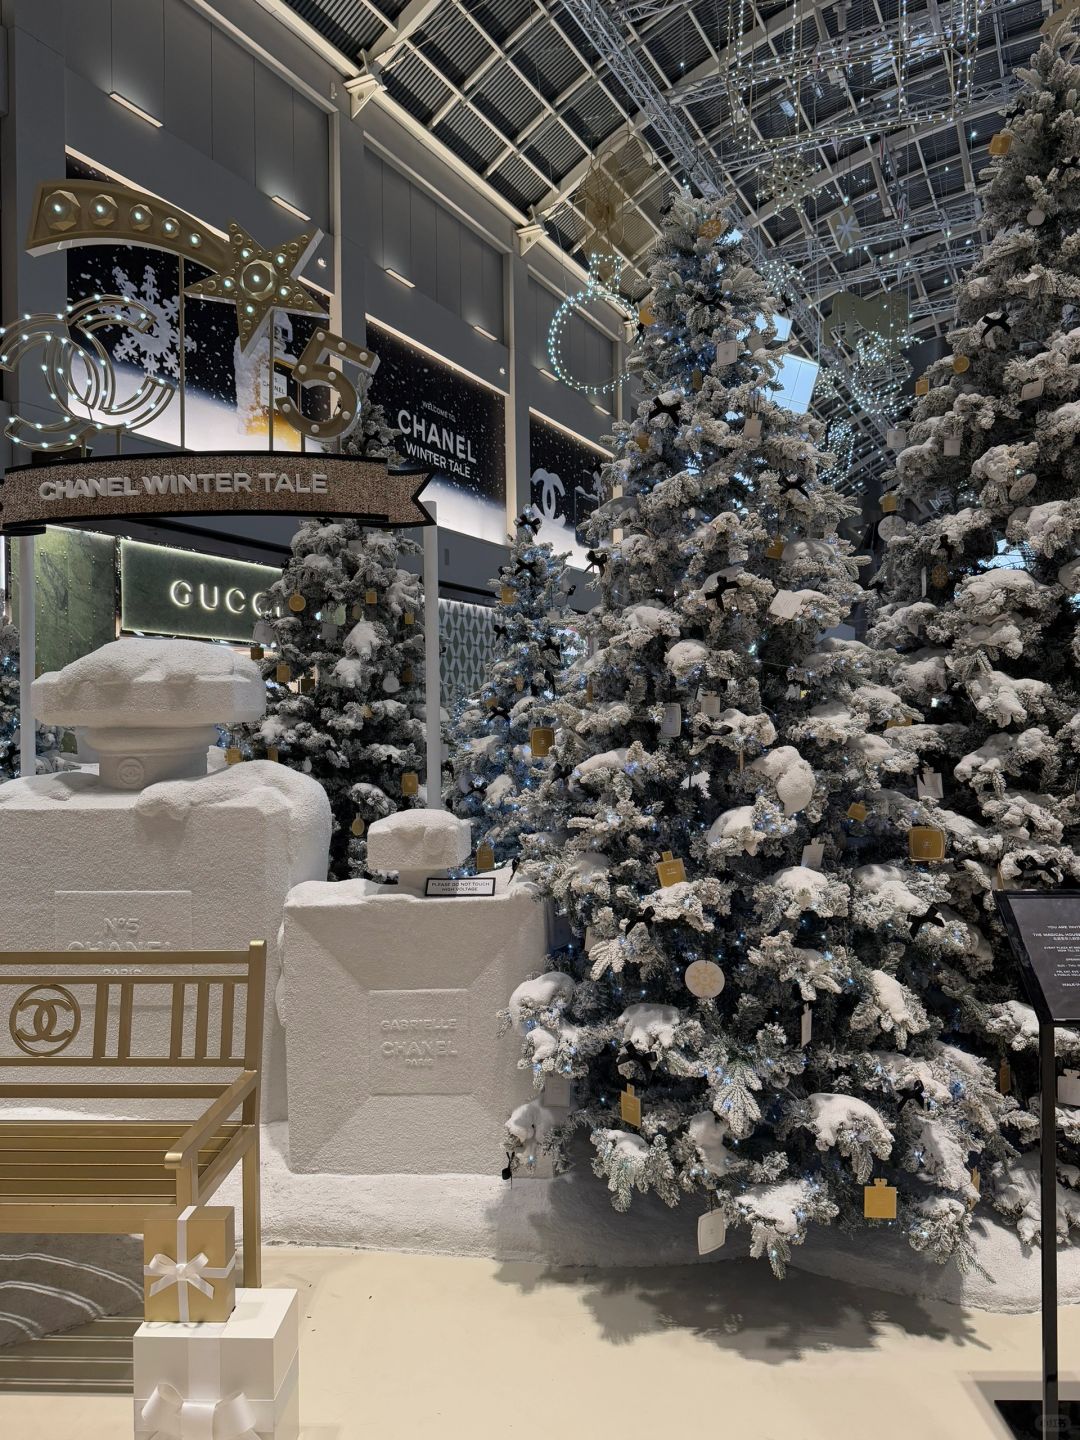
(415, 14)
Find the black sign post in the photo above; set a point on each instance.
(1044, 931)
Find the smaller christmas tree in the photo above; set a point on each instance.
(345, 667)
(9, 701)
(502, 737)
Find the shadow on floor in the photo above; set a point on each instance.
(740, 1306)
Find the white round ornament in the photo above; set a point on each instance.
(1035, 216)
(891, 525)
(705, 979)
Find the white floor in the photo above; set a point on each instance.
(402, 1346)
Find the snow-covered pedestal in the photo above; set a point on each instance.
(202, 862)
(395, 1063)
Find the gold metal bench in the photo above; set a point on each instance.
(93, 1014)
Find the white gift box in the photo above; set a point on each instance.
(186, 1373)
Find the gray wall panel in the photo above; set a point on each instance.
(232, 73)
(450, 282)
(188, 109)
(311, 156)
(274, 164)
(138, 67)
(421, 270)
(86, 32)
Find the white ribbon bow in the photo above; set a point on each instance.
(182, 1272)
(171, 1417)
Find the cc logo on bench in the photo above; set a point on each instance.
(45, 1020)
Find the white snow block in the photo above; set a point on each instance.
(150, 707)
(253, 1354)
(417, 844)
(200, 864)
(394, 1062)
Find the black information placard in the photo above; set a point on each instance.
(1044, 927)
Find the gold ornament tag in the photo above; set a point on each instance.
(705, 979)
(939, 577)
(541, 739)
(282, 673)
(857, 811)
(1004, 1081)
(307, 684)
(272, 752)
(641, 440)
(898, 724)
(879, 1201)
(357, 827)
(1001, 143)
(407, 675)
(356, 612)
(922, 385)
(630, 1108)
(257, 652)
(890, 503)
(669, 871)
(371, 597)
(960, 364)
(233, 755)
(926, 843)
(366, 712)
(752, 427)
(297, 603)
(519, 684)
(485, 856)
(646, 315)
(697, 380)
(507, 594)
(775, 549)
(410, 783)
(409, 618)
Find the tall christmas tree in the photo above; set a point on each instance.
(345, 669)
(501, 739)
(981, 600)
(724, 1033)
(9, 700)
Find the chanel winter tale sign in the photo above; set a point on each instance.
(1044, 928)
(178, 483)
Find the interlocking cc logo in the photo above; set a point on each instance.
(44, 1020)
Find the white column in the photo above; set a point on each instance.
(27, 661)
(432, 673)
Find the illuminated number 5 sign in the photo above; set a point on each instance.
(312, 369)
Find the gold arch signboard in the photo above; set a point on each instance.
(254, 278)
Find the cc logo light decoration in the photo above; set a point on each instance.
(602, 283)
(44, 1020)
(80, 373)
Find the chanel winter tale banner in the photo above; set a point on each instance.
(451, 425)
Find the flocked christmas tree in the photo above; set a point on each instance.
(725, 1033)
(9, 700)
(345, 669)
(501, 738)
(980, 586)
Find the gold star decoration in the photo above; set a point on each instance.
(260, 281)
